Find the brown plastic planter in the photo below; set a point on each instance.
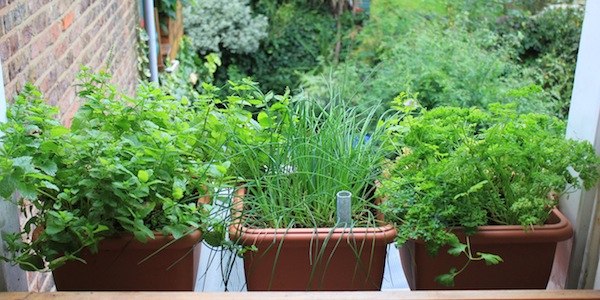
(116, 266)
(528, 258)
(322, 259)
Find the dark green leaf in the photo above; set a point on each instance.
(446, 279)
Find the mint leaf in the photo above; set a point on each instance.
(49, 167)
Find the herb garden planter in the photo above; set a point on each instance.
(125, 264)
(473, 169)
(528, 257)
(115, 193)
(299, 259)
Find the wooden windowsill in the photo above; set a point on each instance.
(417, 295)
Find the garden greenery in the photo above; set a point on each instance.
(230, 26)
(459, 53)
(466, 167)
(315, 152)
(134, 165)
(126, 165)
(192, 73)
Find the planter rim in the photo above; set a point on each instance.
(558, 228)
(237, 230)
(387, 232)
(128, 240)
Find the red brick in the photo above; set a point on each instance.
(83, 6)
(34, 6)
(15, 17)
(16, 65)
(34, 47)
(41, 22)
(13, 42)
(68, 20)
(75, 32)
(39, 68)
(38, 46)
(60, 48)
(56, 30)
(27, 33)
(9, 91)
(19, 82)
(4, 50)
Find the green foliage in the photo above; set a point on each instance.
(459, 53)
(549, 44)
(468, 167)
(192, 73)
(142, 50)
(224, 26)
(389, 22)
(444, 65)
(134, 165)
(168, 9)
(315, 152)
(554, 30)
(300, 36)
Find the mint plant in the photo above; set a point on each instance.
(465, 167)
(127, 165)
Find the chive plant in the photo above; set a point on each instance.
(315, 152)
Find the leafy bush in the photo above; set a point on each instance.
(445, 65)
(192, 73)
(297, 39)
(168, 9)
(467, 167)
(224, 26)
(127, 165)
(549, 44)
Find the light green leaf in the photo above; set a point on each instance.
(140, 236)
(58, 262)
(23, 162)
(54, 228)
(49, 167)
(177, 193)
(58, 131)
(7, 186)
(457, 249)
(490, 259)
(143, 176)
(49, 146)
(264, 120)
(27, 191)
(446, 279)
(50, 185)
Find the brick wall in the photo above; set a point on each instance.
(46, 41)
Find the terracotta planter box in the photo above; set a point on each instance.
(307, 259)
(528, 258)
(116, 266)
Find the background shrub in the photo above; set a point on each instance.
(300, 35)
(224, 26)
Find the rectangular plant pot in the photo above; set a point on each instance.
(313, 259)
(117, 266)
(528, 257)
